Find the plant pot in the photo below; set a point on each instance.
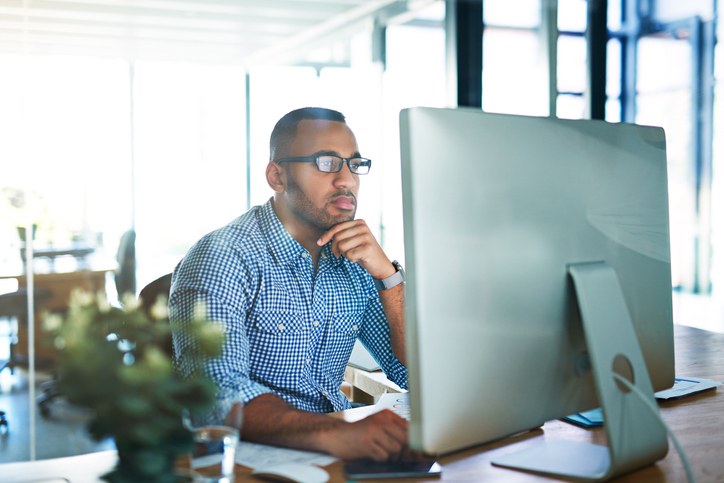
(141, 464)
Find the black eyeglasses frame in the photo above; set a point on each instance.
(365, 162)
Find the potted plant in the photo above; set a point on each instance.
(112, 361)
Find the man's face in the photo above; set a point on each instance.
(322, 199)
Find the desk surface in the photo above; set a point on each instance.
(698, 422)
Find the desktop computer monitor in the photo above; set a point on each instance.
(497, 208)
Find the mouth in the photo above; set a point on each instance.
(346, 203)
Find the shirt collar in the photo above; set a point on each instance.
(327, 254)
(283, 247)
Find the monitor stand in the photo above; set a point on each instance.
(636, 438)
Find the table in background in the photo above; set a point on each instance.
(698, 422)
(61, 285)
(368, 385)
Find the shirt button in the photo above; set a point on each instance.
(304, 254)
(324, 392)
(354, 327)
(307, 361)
(281, 326)
(315, 323)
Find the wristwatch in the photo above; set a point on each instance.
(395, 279)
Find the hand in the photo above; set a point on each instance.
(354, 240)
(381, 437)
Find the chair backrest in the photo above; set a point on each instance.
(148, 297)
(15, 304)
(126, 273)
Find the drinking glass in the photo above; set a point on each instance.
(212, 457)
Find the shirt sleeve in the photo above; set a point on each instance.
(375, 336)
(214, 278)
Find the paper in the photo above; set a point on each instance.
(682, 387)
(594, 417)
(397, 402)
(685, 386)
(255, 455)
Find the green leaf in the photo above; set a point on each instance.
(133, 406)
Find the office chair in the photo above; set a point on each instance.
(125, 283)
(148, 297)
(126, 258)
(15, 305)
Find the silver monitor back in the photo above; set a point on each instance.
(495, 209)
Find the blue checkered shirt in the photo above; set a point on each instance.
(288, 330)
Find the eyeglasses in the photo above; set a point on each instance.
(333, 164)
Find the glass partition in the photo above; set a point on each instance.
(663, 98)
(190, 158)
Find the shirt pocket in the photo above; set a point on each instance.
(277, 345)
(279, 323)
(348, 324)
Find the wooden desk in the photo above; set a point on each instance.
(60, 284)
(698, 422)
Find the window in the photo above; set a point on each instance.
(514, 71)
(190, 158)
(64, 135)
(415, 76)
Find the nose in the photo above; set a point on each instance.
(344, 178)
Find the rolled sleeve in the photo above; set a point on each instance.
(211, 278)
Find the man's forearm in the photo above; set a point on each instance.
(393, 302)
(269, 419)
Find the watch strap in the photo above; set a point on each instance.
(393, 280)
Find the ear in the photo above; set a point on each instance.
(276, 177)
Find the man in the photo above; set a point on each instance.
(295, 282)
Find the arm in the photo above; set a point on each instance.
(270, 420)
(354, 241)
(211, 276)
(393, 302)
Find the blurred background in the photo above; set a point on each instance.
(130, 128)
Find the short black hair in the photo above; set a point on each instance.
(285, 129)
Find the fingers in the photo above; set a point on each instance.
(347, 236)
(355, 241)
(377, 452)
(410, 455)
(355, 245)
(384, 447)
(347, 231)
(393, 437)
(394, 425)
(324, 239)
(391, 449)
(381, 437)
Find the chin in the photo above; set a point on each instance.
(336, 220)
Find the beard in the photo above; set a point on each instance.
(304, 209)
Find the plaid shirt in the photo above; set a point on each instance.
(288, 330)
